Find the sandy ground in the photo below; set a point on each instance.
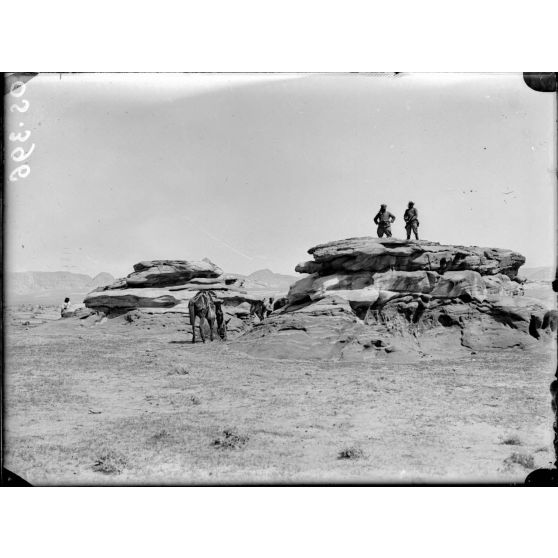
(117, 404)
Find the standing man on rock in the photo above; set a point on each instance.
(411, 220)
(384, 219)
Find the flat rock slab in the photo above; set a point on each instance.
(374, 254)
(131, 299)
(213, 286)
(160, 273)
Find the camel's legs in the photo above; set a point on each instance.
(202, 318)
(211, 322)
(193, 324)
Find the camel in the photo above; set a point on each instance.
(207, 306)
(262, 308)
(280, 303)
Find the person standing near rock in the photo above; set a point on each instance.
(65, 306)
(411, 220)
(384, 219)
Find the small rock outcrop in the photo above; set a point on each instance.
(369, 298)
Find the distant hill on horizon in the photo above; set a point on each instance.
(544, 273)
(267, 280)
(50, 287)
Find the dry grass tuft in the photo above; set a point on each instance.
(178, 371)
(132, 316)
(512, 440)
(161, 435)
(230, 439)
(110, 462)
(524, 459)
(351, 452)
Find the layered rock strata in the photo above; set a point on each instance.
(166, 286)
(369, 297)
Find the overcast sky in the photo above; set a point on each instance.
(252, 170)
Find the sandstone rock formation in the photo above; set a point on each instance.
(162, 273)
(165, 287)
(373, 254)
(371, 298)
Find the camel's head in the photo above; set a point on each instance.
(221, 325)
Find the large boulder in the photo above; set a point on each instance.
(488, 334)
(520, 312)
(374, 254)
(369, 298)
(320, 330)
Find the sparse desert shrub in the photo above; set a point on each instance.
(230, 439)
(351, 452)
(132, 316)
(110, 462)
(512, 440)
(524, 459)
(178, 371)
(161, 435)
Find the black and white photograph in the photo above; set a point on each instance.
(279, 278)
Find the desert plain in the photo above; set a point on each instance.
(136, 403)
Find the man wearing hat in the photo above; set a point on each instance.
(384, 219)
(411, 220)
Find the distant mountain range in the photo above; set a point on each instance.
(537, 273)
(33, 281)
(51, 287)
(266, 280)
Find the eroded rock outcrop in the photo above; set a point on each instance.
(386, 298)
(165, 287)
(373, 254)
(162, 273)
